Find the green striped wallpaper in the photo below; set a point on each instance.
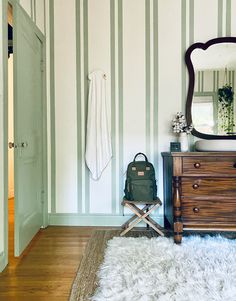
(113, 102)
(36, 10)
(143, 57)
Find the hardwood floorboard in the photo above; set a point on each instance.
(46, 270)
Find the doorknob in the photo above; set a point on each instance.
(12, 145)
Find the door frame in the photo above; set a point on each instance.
(42, 38)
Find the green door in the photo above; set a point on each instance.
(28, 130)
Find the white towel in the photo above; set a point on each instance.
(98, 141)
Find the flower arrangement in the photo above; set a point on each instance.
(179, 124)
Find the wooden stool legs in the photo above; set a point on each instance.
(141, 215)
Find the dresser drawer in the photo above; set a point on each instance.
(208, 187)
(204, 211)
(209, 165)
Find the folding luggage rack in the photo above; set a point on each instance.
(141, 215)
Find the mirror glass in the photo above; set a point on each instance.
(213, 108)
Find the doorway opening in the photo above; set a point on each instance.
(10, 138)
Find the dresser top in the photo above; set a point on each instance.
(198, 154)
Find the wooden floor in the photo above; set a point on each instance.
(47, 268)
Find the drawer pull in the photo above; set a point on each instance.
(196, 210)
(197, 165)
(234, 165)
(195, 186)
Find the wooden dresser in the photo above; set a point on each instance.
(199, 191)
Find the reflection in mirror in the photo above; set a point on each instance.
(204, 112)
(213, 106)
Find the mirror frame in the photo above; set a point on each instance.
(191, 73)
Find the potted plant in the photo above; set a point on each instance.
(226, 108)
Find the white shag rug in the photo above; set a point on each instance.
(142, 269)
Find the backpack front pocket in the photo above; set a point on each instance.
(142, 190)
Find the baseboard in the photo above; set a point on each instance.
(3, 261)
(73, 219)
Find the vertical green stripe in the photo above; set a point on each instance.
(52, 109)
(217, 79)
(31, 9)
(220, 17)
(35, 15)
(183, 47)
(214, 81)
(148, 84)
(233, 74)
(199, 81)
(44, 21)
(191, 22)
(120, 81)
(79, 99)
(156, 80)
(191, 33)
(228, 18)
(87, 174)
(202, 81)
(233, 85)
(113, 104)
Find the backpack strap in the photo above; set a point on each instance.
(138, 154)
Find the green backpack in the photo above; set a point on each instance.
(140, 184)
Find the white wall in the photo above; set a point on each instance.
(65, 104)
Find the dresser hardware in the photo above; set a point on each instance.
(196, 210)
(234, 165)
(195, 186)
(197, 165)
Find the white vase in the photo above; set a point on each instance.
(183, 139)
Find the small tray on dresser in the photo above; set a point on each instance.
(199, 191)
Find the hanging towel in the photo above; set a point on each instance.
(98, 139)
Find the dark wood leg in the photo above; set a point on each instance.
(178, 225)
(167, 224)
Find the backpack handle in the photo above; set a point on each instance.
(138, 154)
